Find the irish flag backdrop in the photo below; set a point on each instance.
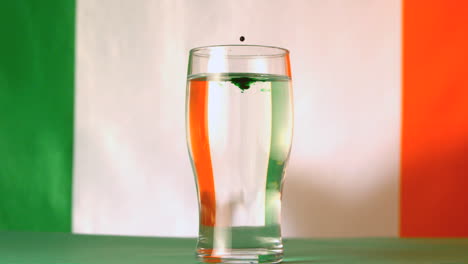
(92, 96)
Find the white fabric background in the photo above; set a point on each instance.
(132, 173)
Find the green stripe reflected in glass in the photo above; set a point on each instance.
(281, 134)
(36, 114)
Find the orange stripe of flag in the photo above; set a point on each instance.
(434, 158)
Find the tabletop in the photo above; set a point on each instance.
(62, 248)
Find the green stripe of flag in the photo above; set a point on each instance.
(36, 114)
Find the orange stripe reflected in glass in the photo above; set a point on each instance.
(288, 65)
(198, 112)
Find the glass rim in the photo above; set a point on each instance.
(206, 51)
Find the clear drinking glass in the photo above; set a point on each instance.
(239, 112)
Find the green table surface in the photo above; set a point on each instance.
(62, 248)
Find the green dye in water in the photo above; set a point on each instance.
(244, 83)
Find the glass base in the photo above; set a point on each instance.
(244, 256)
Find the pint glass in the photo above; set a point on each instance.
(239, 114)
